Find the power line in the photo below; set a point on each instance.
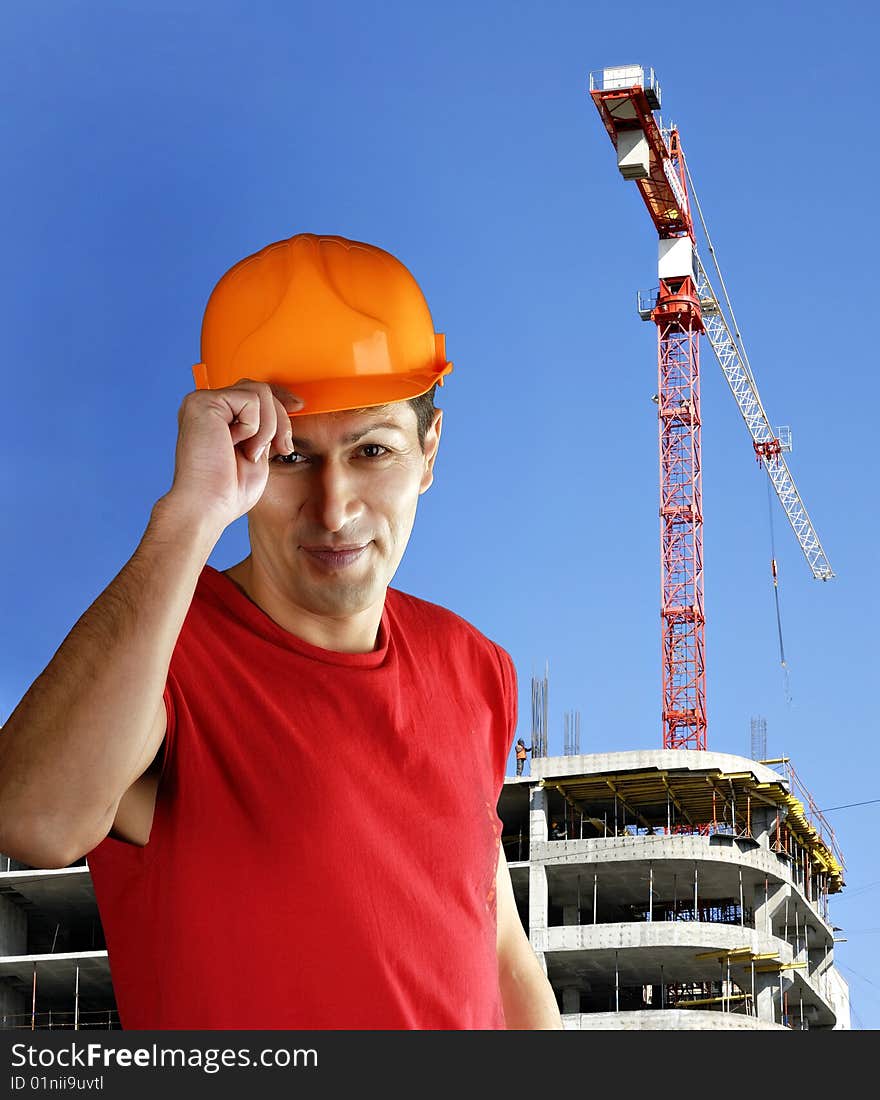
(848, 805)
(851, 893)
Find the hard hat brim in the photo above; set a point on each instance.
(325, 395)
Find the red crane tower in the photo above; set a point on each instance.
(684, 306)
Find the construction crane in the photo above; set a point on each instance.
(683, 306)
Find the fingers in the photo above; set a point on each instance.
(258, 415)
(225, 437)
(247, 412)
(282, 442)
(284, 403)
(290, 402)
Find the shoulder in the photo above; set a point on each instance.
(440, 628)
(413, 611)
(218, 595)
(219, 617)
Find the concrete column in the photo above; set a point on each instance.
(538, 905)
(763, 820)
(538, 898)
(13, 928)
(538, 816)
(571, 999)
(821, 954)
(13, 1003)
(538, 890)
(766, 997)
(766, 901)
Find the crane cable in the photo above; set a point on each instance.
(742, 347)
(748, 369)
(775, 572)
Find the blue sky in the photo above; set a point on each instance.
(148, 146)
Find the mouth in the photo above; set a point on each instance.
(334, 558)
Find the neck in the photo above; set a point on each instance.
(355, 633)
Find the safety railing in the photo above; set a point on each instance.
(627, 76)
(814, 815)
(646, 302)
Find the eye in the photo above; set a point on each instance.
(293, 459)
(376, 449)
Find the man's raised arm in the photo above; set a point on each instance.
(94, 719)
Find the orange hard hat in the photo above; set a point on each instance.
(340, 323)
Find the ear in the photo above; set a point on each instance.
(432, 443)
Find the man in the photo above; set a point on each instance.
(247, 756)
(521, 752)
(557, 831)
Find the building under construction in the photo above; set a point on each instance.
(677, 888)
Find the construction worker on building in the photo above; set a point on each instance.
(196, 722)
(522, 751)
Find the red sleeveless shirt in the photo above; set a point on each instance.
(317, 860)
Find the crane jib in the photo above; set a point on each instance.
(684, 307)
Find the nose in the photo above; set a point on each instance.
(336, 499)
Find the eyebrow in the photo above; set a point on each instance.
(353, 437)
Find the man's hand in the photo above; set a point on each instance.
(224, 443)
(94, 720)
(526, 994)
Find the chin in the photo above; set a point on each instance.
(341, 599)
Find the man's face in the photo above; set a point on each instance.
(332, 525)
